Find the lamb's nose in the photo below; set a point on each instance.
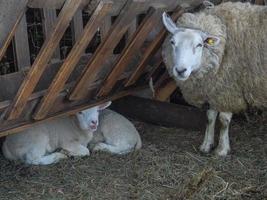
(94, 122)
(180, 72)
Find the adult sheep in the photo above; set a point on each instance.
(219, 56)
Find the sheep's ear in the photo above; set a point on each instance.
(210, 40)
(104, 105)
(168, 23)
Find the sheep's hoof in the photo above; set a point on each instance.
(222, 152)
(206, 148)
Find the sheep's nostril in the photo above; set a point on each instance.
(180, 72)
(94, 122)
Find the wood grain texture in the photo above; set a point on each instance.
(72, 60)
(43, 58)
(151, 20)
(105, 49)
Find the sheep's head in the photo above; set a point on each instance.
(88, 119)
(183, 49)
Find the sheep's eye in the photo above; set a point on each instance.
(80, 112)
(172, 42)
(199, 45)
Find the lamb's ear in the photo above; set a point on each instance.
(104, 105)
(210, 40)
(168, 23)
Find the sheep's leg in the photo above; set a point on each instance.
(45, 159)
(224, 144)
(76, 149)
(209, 133)
(110, 148)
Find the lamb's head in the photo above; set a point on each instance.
(88, 119)
(184, 49)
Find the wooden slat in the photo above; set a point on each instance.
(22, 45)
(72, 59)
(105, 27)
(165, 91)
(66, 108)
(11, 12)
(43, 58)
(50, 18)
(106, 47)
(151, 50)
(151, 20)
(77, 25)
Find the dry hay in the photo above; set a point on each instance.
(168, 167)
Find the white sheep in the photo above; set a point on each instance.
(219, 56)
(115, 134)
(38, 144)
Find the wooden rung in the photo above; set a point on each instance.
(152, 19)
(105, 49)
(105, 27)
(72, 60)
(50, 18)
(151, 50)
(22, 45)
(41, 62)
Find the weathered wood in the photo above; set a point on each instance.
(62, 109)
(22, 45)
(161, 113)
(72, 60)
(43, 58)
(152, 19)
(165, 91)
(49, 21)
(151, 50)
(11, 12)
(77, 25)
(105, 27)
(105, 49)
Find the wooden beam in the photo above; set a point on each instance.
(59, 110)
(105, 27)
(161, 113)
(151, 50)
(49, 21)
(43, 58)
(151, 20)
(105, 49)
(11, 12)
(165, 91)
(72, 59)
(22, 44)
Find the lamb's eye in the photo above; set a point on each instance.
(199, 45)
(80, 113)
(172, 42)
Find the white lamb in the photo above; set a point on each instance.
(219, 56)
(115, 134)
(38, 144)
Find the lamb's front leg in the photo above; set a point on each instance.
(76, 149)
(224, 144)
(209, 133)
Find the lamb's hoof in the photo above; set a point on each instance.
(222, 152)
(206, 148)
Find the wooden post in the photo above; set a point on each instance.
(22, 45)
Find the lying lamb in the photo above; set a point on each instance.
(37, 145)
(219, 56)
(115, 134)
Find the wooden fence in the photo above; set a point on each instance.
(49, 86)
